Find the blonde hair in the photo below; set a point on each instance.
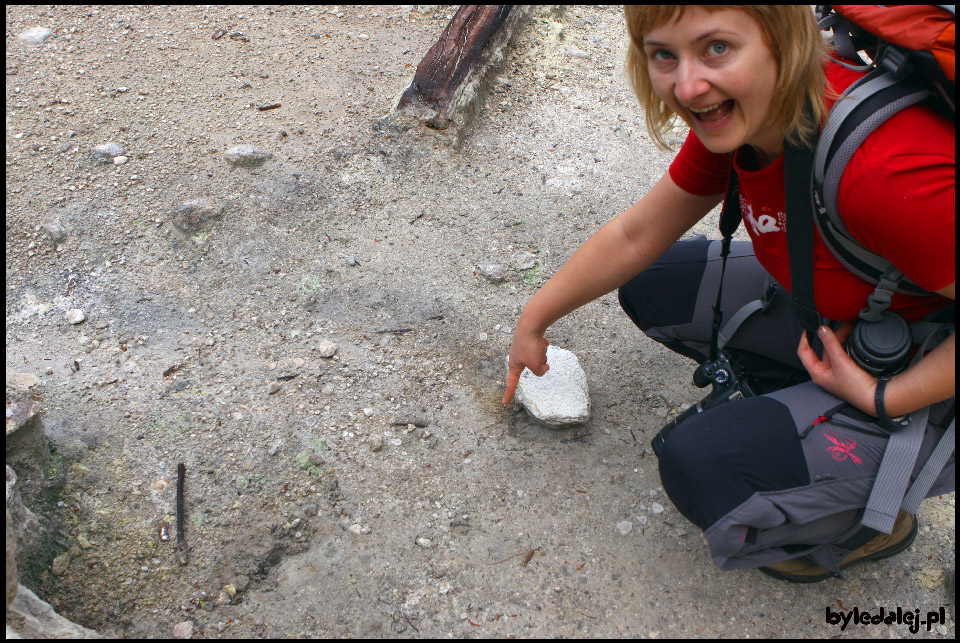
(791, 33)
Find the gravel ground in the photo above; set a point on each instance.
(382, 491)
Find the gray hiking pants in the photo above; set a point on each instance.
(776, 476)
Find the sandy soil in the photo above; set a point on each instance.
(383, 491)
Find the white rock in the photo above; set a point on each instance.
(560, 397)
(326, 348)
(76, 316)
(657, 508)
(36, 35)
(120, 160)
(625, 527)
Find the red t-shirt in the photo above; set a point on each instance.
(897, 197)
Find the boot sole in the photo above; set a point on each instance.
(893, 550)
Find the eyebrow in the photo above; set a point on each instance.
(704, 36)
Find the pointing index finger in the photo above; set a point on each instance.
(513, 378)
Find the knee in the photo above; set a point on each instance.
(635, 297)
(686, 471)
(665, 294)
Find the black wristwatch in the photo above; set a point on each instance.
(890, 424)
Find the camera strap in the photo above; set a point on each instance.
(730, 217)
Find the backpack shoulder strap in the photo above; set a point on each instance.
(863, 107)
(797, 166)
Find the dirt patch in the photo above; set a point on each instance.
(382, 491)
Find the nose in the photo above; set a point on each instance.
(690, 81)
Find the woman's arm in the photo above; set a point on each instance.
(932, 379)
(620, 250)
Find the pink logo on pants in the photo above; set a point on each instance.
(842, 449)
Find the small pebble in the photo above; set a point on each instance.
(76, 316)
(107, 152)
(247, 156)
(525, 260)
(491, 271)
(183, 630)
(326, 348)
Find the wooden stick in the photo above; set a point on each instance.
(181, 533)
(451, 61)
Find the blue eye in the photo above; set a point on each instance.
(718, 48)
(661, 54)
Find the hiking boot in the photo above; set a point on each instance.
(801, 570)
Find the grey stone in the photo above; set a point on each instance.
(560, 397)
(107, 152)
(326, 348)
(33, 618)
(60, 564)
(25, 438)
(573, 52)
(196, 217)
(53, 227)
(524, 260)
(24, 529)
(76, 316)
(183, 630)
(491, 271)
(11, 561)
(247, 156)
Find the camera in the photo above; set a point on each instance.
(730, 381)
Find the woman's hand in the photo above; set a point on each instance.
(837, 372)
(528, 350)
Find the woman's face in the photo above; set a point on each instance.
(716, 71)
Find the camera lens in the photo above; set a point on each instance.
(881, 347)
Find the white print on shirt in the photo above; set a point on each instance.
(765, 222)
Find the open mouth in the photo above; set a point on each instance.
(713, 113)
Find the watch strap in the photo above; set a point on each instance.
(885, 421)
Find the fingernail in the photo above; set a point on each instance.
(822, 331)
